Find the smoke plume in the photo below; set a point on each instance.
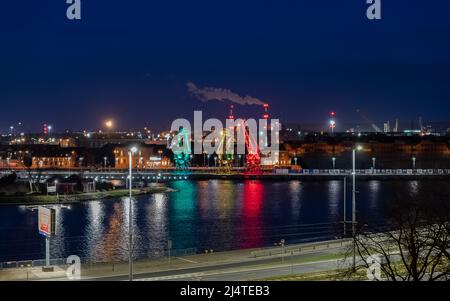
(208, 93)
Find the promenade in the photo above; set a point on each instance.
(199, 265)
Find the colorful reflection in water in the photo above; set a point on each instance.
(205, 215)
(251, 214)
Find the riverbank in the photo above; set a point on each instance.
(38, 199)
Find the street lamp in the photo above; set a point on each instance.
(358, 148)
(414, 162)
(334, 162)
(132, 151)
(56, 189)
(105, 159)
(345, 206)
(215, 161)
(374, 160)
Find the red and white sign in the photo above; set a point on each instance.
(45, 221)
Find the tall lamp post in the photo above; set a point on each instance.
(358, 148)
(132, 151)
(345, 206)
(374, 160)
(414, 162)
(334, 162)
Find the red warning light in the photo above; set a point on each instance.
(332, 113)
(231, 115)
(266, 105)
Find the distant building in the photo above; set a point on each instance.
(387, 127)
(148, 156)
(54, 159)
(99, 140)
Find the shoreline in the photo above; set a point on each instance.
(78, 198)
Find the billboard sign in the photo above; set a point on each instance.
(46, 221)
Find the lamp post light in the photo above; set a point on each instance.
(240, 160)
(105, 159)
(208, 158)
(295, 161)
(374, 160)
(215, 161)
(358, 148)
(132, 151)
(334, 162)
(414, 162)
(56, 189)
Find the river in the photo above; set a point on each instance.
(202, 215)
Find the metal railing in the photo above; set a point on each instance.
(61, 262)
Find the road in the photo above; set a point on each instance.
(250, 270)
(231, 265)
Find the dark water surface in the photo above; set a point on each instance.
(214, 214)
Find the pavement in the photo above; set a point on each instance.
(231, 265)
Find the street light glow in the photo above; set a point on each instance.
(134, 149)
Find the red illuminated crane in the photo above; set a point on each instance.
(253, 159)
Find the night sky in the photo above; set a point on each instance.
(131, 60)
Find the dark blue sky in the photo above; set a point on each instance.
(130, 60)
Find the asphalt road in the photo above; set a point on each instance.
(256, 269)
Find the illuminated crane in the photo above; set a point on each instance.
(253, 159)
(182, 157)
(225, 159)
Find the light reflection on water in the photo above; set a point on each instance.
(214, 214)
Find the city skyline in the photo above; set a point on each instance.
(243, 141)
(133, 63)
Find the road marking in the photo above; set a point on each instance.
(173, 277)
(200, 275)
(190, 261)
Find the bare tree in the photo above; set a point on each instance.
(413, 245)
